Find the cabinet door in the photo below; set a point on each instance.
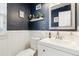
(46, 51)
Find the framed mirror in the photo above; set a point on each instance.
(62, 16)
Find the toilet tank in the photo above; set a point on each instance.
(34, 43)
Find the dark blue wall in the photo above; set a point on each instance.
(14, 22)
(42, 24)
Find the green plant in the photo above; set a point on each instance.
(40, 14)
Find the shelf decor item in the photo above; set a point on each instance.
(39, 14)
(30, 17)
(33, 17)
(36, 17)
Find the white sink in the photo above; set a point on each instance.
(65, 42)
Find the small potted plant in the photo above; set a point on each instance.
(41, 14)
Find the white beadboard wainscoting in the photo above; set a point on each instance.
(12, 42)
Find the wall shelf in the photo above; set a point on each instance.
(37, 19)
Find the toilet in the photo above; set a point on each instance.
(32, 50)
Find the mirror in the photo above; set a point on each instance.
(62, 16)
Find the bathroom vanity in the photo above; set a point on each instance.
(52, 47)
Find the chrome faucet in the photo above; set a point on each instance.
(58, 35)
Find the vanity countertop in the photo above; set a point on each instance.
(64, 45)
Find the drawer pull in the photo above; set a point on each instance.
(43, 50)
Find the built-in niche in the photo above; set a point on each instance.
(62, 17)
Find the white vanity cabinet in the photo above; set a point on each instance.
(47, 51)
(56, 47)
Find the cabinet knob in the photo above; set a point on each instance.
(43, 50)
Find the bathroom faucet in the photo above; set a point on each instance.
(58, 35)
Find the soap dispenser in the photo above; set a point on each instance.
(49, 35)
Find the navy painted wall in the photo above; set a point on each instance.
(14, 22)
(43, 24)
